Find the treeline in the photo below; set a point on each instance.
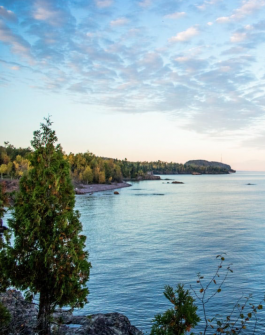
(88, 168)
(14, 162)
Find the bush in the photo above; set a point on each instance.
(5, 317)
(182, 318)
(179, 319)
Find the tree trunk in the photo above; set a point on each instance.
(44, 315)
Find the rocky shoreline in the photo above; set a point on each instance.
(91, 188)
(24, 320)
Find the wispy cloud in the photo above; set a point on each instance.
(119, 22)
(7, 14)
(17, 43)
(186, 35)
(238, 37)
(117, 59)
(248, 7)
(103, 3)
(175, 15)
(207, 3)
(145, 3)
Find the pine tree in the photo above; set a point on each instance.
(48, 257)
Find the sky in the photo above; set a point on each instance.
(146, 80)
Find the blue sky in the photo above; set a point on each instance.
(142, 79)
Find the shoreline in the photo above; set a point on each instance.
(91, 188)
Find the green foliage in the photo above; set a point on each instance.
(242, 318)
(181, 318)
(48, 256)
(5, 316)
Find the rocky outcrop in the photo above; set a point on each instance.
(177, 182)
(145, 177)
(201, 162)
(24, 320)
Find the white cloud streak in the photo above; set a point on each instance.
(186, 35)
(248, 7)
(119, 22)
(103, 3)
(175, 15)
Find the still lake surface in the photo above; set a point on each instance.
(154, 233)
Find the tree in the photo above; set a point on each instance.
(3, 169)
(48, 256)
(87, 175)
(180, 319)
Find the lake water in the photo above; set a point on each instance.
(154, 233)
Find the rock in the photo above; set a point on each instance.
(23, 314)
(177, 182)
(116, 192)
(77, 191)
(24, 320)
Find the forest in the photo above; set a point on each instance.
(88, 168)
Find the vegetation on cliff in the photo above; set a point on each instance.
(88, 168)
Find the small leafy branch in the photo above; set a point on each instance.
(238, 319)
(179, 319)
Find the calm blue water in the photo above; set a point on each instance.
(139, 241)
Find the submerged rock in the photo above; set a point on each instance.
(177, 182)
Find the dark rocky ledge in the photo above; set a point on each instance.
(24, 318)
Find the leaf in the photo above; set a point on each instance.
(219, 290)
(260, 306)
(201, 290)
(249, 315)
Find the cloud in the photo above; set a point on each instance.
(248, 7)
(44, 10)
(186, 35)
(103, 3)
(207, 3)
(238, 37)
(7, 14)
(175, 15)
(119, 22)
(145, 3)
(17, 43)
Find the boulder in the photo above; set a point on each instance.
(24, 320)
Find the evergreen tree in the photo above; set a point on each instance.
(180, 319)
(48, 257)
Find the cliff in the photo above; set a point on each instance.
(204, 163)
